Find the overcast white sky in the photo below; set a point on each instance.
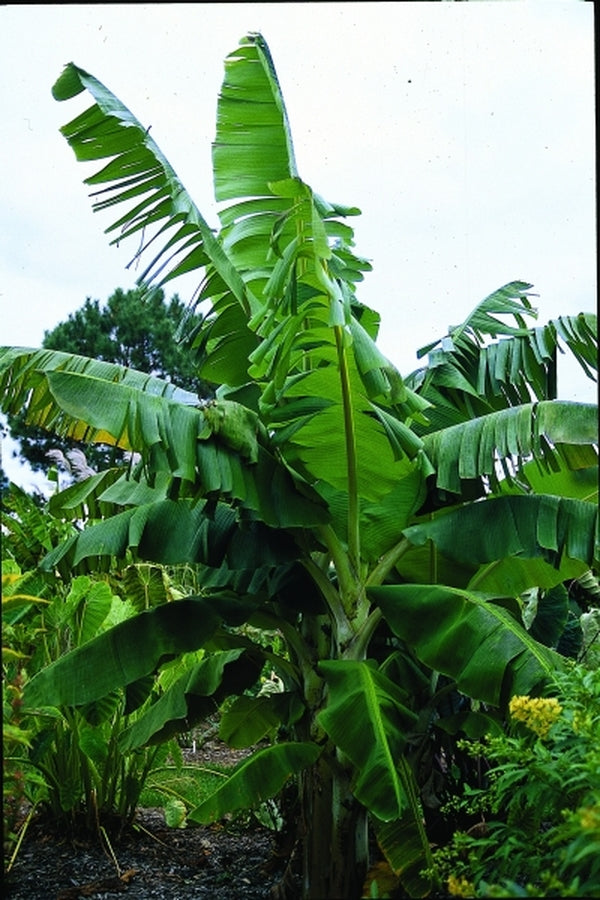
(463, 131)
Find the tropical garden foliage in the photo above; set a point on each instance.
(66, 763)
(405, 538)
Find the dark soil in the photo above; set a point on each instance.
(156, 862)
(225, 861)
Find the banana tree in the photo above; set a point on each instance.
(384, 527)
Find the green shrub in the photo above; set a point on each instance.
(539, 833)
(67, 761)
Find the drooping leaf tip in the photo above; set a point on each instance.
(253, 37)
(68, 84)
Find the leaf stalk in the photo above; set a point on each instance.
(351, 460)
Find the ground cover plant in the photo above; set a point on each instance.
(385, 528)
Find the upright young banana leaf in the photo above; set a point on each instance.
(279, 277)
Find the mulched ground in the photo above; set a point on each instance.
(151, 861)
(154, 862)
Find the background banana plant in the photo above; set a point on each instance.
(385, 527)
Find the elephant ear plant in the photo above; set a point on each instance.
(383, 526)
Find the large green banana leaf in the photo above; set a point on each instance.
(368, 720)
(475, 449)
(139, 172)
(468, 375)
(520, 526)
(510, 546)
(207, 446)
(25, 385)
(575, 477)
(256, 780)
(172, 532)
(469, 636)
(193, 697)
(135, 648)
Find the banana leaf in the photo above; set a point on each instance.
(473, 449)
(257, 779)
(134, 648)
(473, 638)
(368, 720)
(513, 526)
(192, 697)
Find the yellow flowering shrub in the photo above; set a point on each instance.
(589, 817)
(541, 802)
(537, 713)
(460, 887)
